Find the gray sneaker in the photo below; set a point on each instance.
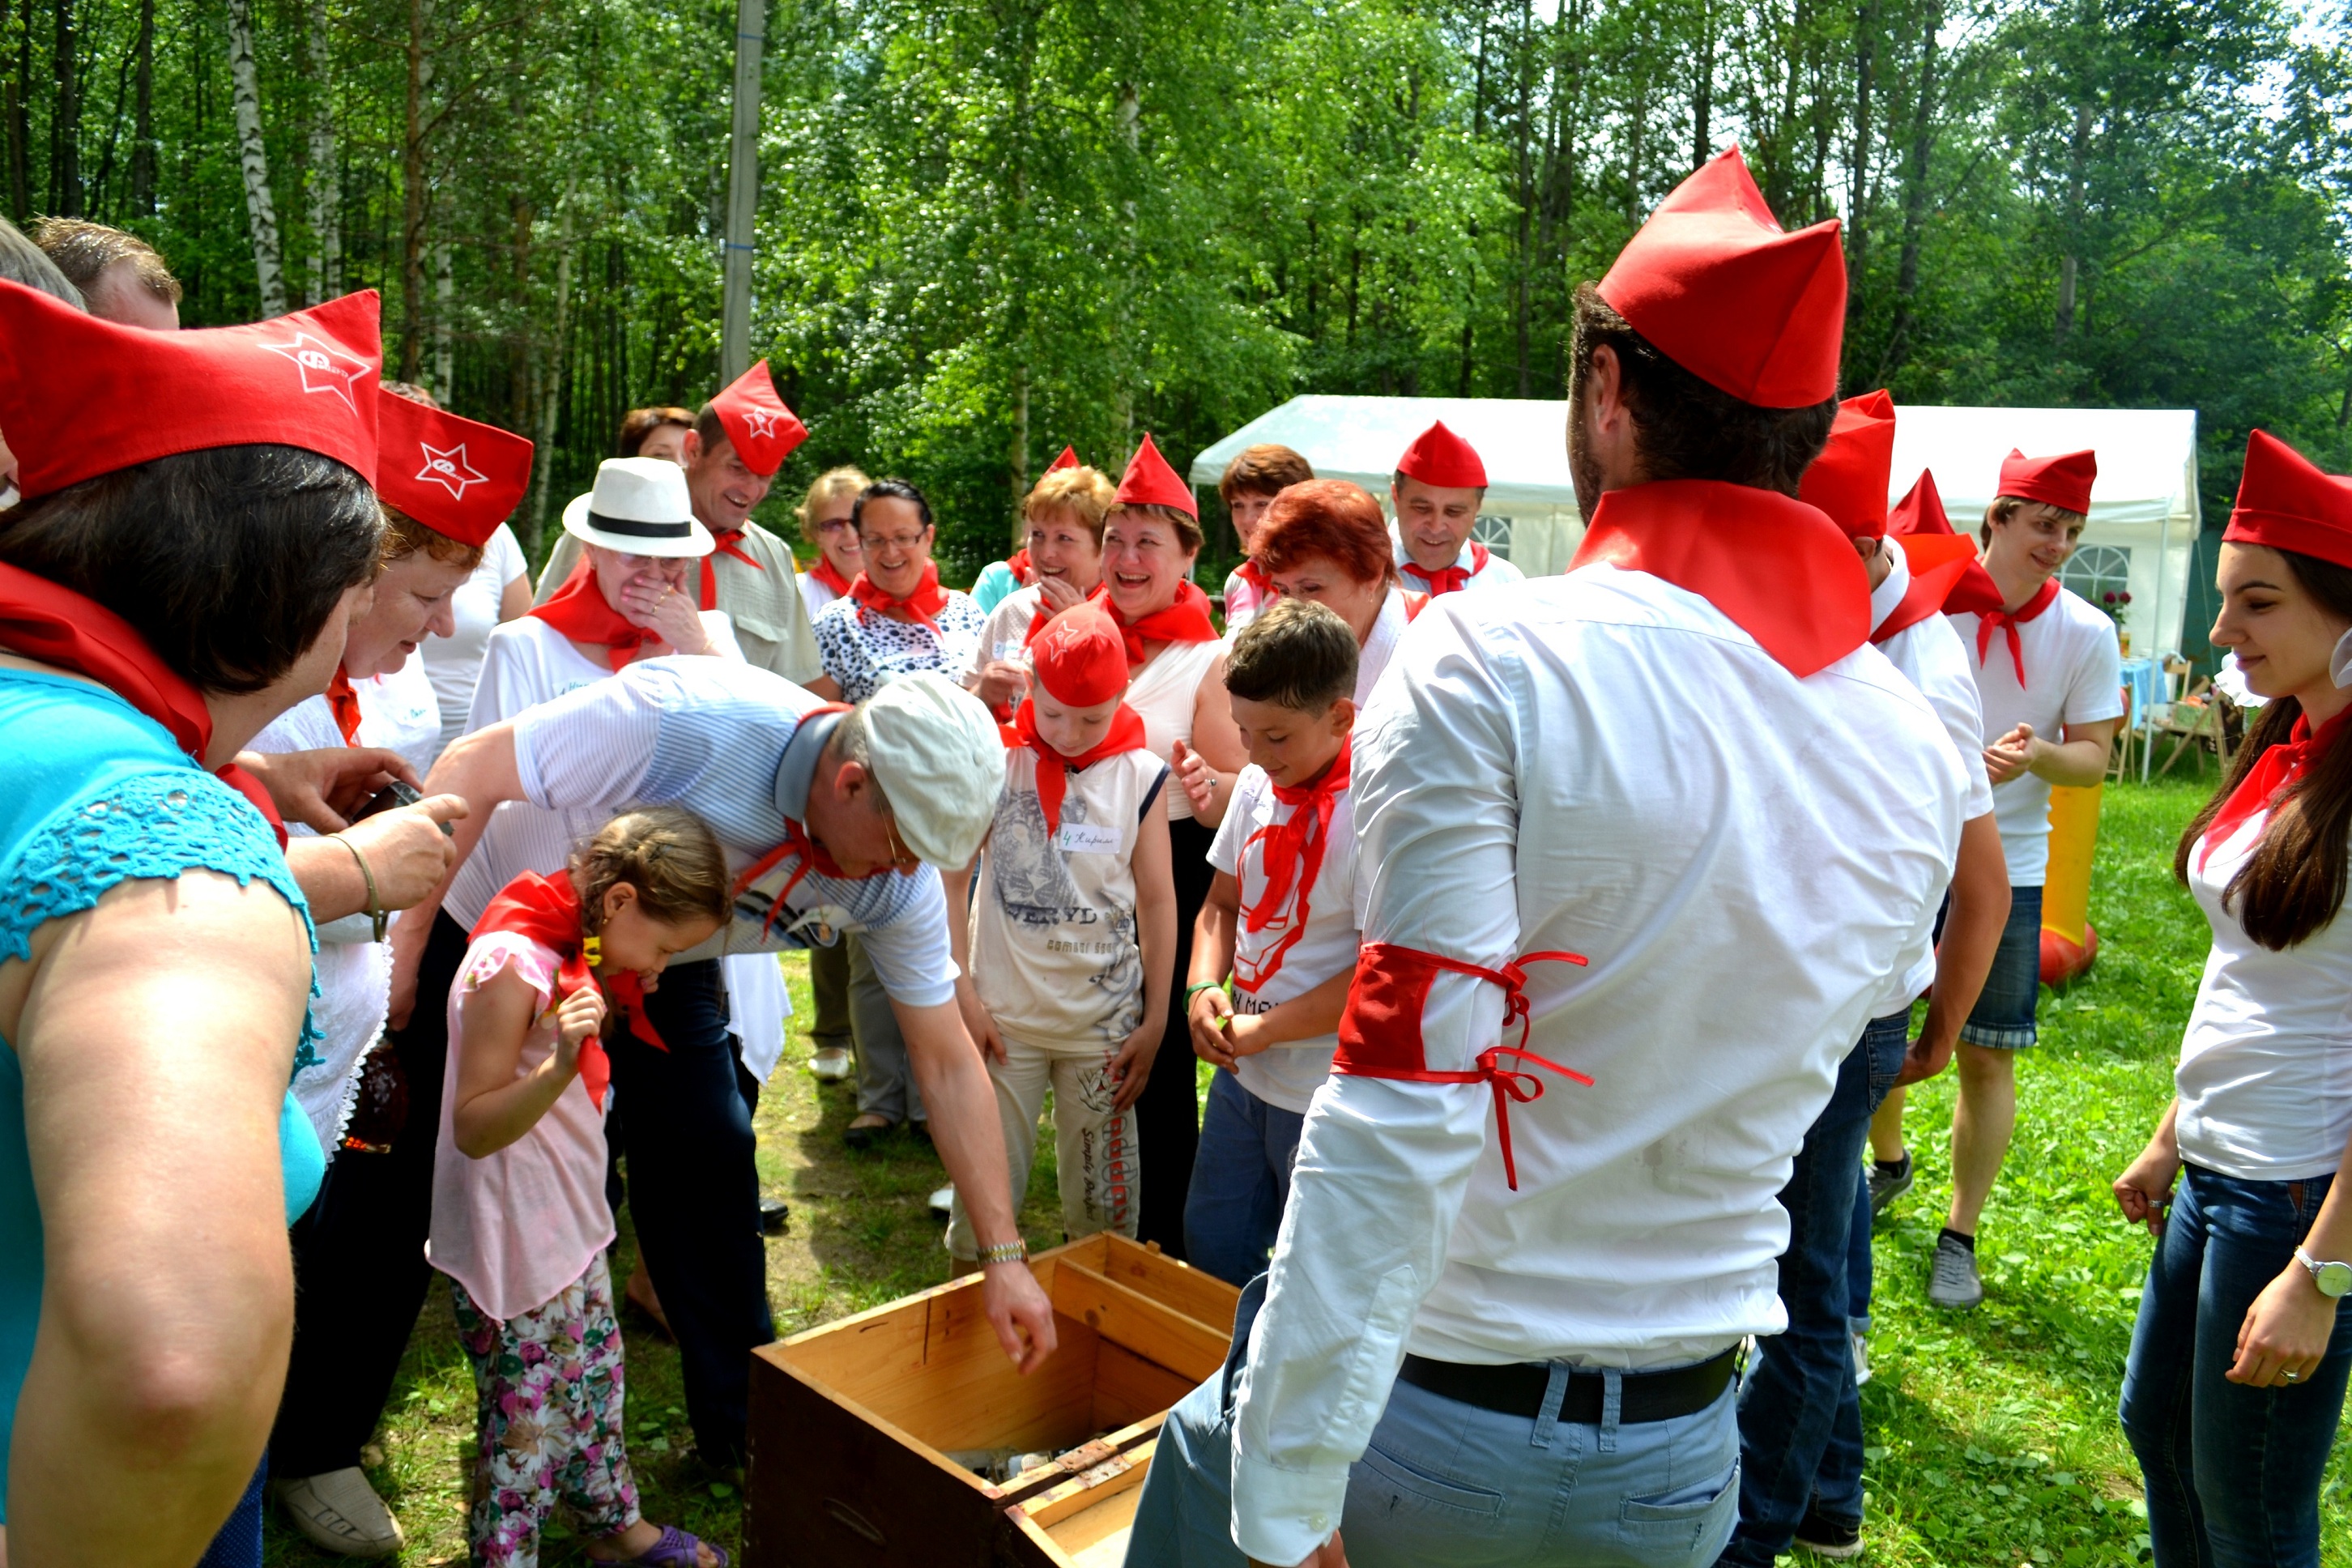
(1952, 1282)
(1885, 1186)
(340, 1512)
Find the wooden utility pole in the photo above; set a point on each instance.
(742, 192)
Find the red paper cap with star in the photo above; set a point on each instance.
(762, 431)
(1148, 481)
(1080, 658)
(457, 477)
(1718, 287)
(1438, 457)
(81, 397)
(2288, 503)
(1068, 459)
(1848, 480)
(2063, 481)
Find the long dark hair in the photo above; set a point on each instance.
(2294, 882)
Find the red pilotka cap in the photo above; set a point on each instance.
(1438, 457)
(1080, 658)
(2286, 503)
(1848, 480)
(1919, 524)
(1148, 481)
(2064, 481)
(762, 431)
(1718, 287)
(1068, 459)
(81, 397)
(458, 478)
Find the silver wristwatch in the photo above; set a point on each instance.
(2334, 1280)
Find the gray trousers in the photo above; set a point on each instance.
(829, 984)
(886, 1082)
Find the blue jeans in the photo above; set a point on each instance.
(1446, 1483)
(238, 1545)
(2003, 1019)
(1800, 1411)
(2232, 1472)
(1241, 1180)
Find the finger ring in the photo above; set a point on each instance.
(2291, 1376)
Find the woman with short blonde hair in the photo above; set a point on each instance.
(826, 522)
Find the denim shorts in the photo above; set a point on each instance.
(2003, 1019)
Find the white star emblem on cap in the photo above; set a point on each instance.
(450, 468)
(325, 367)
(763, 422)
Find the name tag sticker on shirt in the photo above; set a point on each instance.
(1089, 838)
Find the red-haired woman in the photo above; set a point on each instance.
(1326, 540)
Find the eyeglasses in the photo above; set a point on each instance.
(899, 854)
(893, 540)
(834, 524)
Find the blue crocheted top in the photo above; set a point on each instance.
(93, 792)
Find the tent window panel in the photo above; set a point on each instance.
(1494, 531)
(2098, 570)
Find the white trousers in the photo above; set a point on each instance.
(1093, 1147)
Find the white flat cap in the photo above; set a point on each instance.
(940, 759)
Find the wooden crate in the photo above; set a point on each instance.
(852, 1423)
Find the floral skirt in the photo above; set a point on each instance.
(548, 1424)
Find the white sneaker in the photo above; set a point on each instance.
(943, 1201)
(340, 1512)
(1861, 1358)
(832, 1065)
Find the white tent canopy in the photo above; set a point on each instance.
(2144, 510)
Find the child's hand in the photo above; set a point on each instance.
(976, 1021)
(1211, 1011)
(577, 1020)
(1247, 1032)
(1130, 1067)
(1199, 779)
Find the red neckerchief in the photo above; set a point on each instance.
(580, 611)
(827, 572)
(1380, 1034)
(926, 601)
(344, 703)
(1996, 617)
(547, 911)
(812, 855)
(1186, 620)
(43, 620)
(1938, 563)
(1292, 858)
(1455, 578)
(1053, 767)
(725, 545)
(2278, 767)
(1413, 605)
(1779, 569)
(1251, 572)
(1019, 562)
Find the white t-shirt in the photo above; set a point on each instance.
(1163, 693)
(816, 593)
(1243, 603)
(1006, 636)
(400, 711)
(2074, 673)
(455, 661)
(2265, 1074)
(1287, 1075)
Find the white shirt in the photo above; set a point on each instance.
(401, 712)
(1164, 693)
(815, 595)
(456, 661)
(1287, 1075)
(1381, 644)
(1929, 655)
(1243, 603)
(1495, 573)
(2265, 1074)
(2074, 674)
(1603, 764)
(1006, 636)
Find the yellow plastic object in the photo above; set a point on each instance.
(2066, 886)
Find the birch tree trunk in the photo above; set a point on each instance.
(244, 85)
(142, 126)
(326, 175)
(548, 393)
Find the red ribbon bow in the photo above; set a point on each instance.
(1987, 620)
(546, 910)
(580, 612)
(925, 602)
(1293, 857)
(1053, 768)
(1455, 577)
(725, 545)
(1185, 620)
(344, 703)
(2279, 766)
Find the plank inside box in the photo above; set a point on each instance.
(852, 1423)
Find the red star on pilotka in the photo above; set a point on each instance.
(763, 422)
(449, 468)
(325, 368)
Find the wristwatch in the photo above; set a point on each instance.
(1007, 1252)
(2334, 1280)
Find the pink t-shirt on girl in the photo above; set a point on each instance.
(515, 1228)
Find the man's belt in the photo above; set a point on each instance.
(1518, 1389)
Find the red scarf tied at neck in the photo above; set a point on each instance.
(1988, 620)
(925, 602)
(580, 612)
(807, 853)
(547, 911)
(344, 703)
(726, 545)
(42, 620)
(1186, 620)
(827, 572)
(1053, 766)
(1292, 857)
(1452, 579)
(1022, 569)
(2272, 772)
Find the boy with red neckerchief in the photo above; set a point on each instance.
(1064, 966)
(1280, 922)
(1666, 824)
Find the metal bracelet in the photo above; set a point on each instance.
(376, 912)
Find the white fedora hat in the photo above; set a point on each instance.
(639, 507)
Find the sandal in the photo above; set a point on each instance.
(676, 1549)
(870, 1136)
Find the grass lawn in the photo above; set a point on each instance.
(1993, 1435)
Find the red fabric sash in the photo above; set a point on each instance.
(344, 703)
(580, 611)
(1021, 566)
(547, 911)
(811, 855)
(1053, 768)
(827, 572)
(725, 546)
(926, 601)
(42, 620)
(1380, 1035)
(1292, 858)
(1186, 620)
(1455, 578)
(1941, 572)
(2272, 773)
(1996, 617)
(1779, 569)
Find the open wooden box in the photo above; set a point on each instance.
(852, 1423)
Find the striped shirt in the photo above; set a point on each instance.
(718, 738)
